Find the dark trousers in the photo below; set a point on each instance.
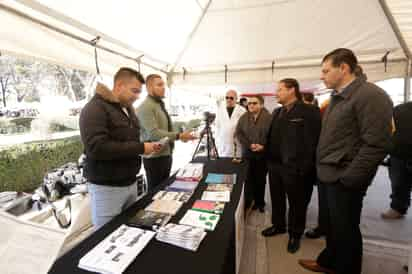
(343, 251)
(286, 183)
(157, 170)
(400, 173)
(322, 212)
(255, 182)
(309, 182)
(323, 217)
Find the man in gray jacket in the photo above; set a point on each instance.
(252, 131)
(355, 137)
(156, 124)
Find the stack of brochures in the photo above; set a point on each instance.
(181, 196)
(218, 196)
(187, 237)
(115, 253)
(219, 187)
(164, 206)
(149, 219)
(182, 186)
(191, 172)
(216, 178)
(209, 206)
(200, 219)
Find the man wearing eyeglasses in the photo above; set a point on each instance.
(252, 130)
(156, 124)
(226, 121)
(109, 131)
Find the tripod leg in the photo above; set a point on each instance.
(214, 145)
(208, 142)
(198, 144)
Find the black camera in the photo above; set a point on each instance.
(209, 117)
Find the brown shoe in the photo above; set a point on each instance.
(391, 214)
(312, 265)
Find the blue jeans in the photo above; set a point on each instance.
(109, 201)
(400, 173)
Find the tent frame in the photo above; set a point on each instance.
(170, 70)
(78, 38)
(405, 48)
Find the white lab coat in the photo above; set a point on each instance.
(225, 130)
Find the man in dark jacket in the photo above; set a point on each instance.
(251, 131)
(291, 151)
(109, 131)
(400, 164)
(355, 137)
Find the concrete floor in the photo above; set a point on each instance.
(386, 243)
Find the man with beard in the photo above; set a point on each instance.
(109, 131)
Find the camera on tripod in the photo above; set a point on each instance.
(207, 135)
(209, 117)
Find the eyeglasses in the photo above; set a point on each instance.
(252, 103)
(230, 98)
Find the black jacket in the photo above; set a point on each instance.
(402, 137)
(111, 140)
(293, 137)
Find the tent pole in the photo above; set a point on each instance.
(269, 68)
(395, 28)
(71, 35)
(407, 85)
(192, 34)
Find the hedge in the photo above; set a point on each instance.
(23, 167)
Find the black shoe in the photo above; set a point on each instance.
(293, 245)
(262, 209)
(314, 233)
(255, 206)
(272, 231)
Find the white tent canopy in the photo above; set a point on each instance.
(202, 42)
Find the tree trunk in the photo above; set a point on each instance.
(89, 87)
(68, 83)
(4, 89)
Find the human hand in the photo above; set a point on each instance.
(259, 147)
(186, 136)
(253, 147)
(150, 148)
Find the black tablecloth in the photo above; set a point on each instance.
(215, 255)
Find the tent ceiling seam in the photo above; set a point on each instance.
(300, 58)
(263, 5)
(190, 38)
(269, 68)
(395, 28)
(71, 35)
(58, 16)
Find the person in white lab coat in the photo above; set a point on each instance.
(226, 120)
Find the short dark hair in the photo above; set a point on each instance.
(151, 77)
(342, 56)
(308, 96)
(243, 99)
(292, 83)
(259, 97)
(128, 73)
